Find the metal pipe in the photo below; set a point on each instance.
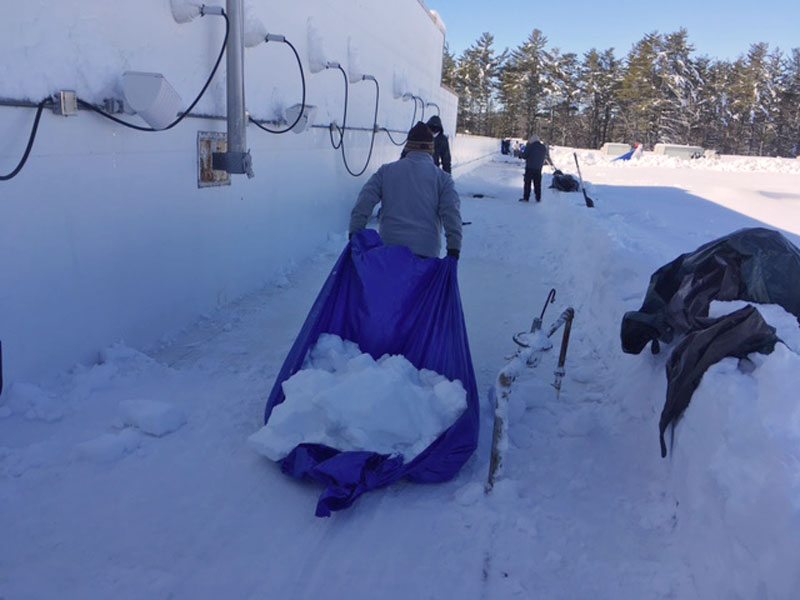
(351, 128)
(204, 116)
(237, 157)
(18, 103)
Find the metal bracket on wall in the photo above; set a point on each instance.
(65, 103)
(210, 143)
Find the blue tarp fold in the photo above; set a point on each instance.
(388, 301)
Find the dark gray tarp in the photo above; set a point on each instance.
(757, 264)
(737, 334)
(564, 182)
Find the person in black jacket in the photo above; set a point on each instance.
(441, 147)
(536, 155)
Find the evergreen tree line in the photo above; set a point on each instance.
(661, 91)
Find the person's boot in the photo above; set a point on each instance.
(523, 200)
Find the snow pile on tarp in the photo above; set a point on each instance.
(387, 301)
(347, 400)
(736, 469)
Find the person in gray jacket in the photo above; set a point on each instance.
(417, 201)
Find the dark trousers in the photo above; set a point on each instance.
(536, 176)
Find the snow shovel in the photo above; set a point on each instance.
(589, 201)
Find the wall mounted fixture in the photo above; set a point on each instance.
(150, 96)
(184, 12)
(302, 115)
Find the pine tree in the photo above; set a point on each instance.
(560, 95)
(713, 112)
(679, 81)
(754, 98)
(448, 67)
(476, 81)
(521, 85)
(640, 91)
(788, 117)
(600, 79)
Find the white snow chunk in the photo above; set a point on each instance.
(151, 417)
(33, 403)
(349, 401)
(109, 447)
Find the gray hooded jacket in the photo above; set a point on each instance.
(418, 199)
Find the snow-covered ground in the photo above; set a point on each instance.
(131, 478)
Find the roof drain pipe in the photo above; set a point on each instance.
(237, 158)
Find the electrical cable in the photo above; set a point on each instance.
(413, 122)
(183, 115)
(372, 139)
(302, 102)
(31, 139)
(422, 104)
(344, 117)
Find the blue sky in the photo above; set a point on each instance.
(717, 28)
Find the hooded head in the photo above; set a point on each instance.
(435, 124)
(534, 139)
(420, 138)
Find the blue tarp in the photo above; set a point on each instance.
(388, 301)
(627, 156)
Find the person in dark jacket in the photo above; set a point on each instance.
(536, 155)
(441, 147)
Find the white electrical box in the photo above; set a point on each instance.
(151, 97)
(679, 150)
(306, 121)
(615, 148)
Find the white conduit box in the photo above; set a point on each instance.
(615, 148)
(306, 121)
(151, 97)
(678, 150)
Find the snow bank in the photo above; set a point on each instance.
(736, 470)
(726, 163)
(32, 402)
(349, 401)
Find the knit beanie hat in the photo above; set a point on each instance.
(420, 137)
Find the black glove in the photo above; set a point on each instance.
(453, 252)
(350, 236)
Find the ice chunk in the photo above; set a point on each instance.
(151, 417)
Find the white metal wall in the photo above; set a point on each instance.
(105, 234)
